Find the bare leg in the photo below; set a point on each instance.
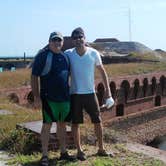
(76, 135)
(99, 134)
(45, 133)
(61, 133)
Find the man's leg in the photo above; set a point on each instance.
(77, 118)
(93, 109)
(45, 133)
(61, 133)
(76, 135)
(99, 134)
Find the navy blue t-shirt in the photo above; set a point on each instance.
(54, 85)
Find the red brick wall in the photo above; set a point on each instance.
(130, 98)
(124, 92)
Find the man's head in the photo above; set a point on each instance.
(56, 41)
(56, 35)
(78, 37)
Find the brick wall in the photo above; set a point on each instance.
(131, 93)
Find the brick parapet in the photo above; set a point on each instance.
(130, 92)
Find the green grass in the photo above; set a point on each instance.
(123, 158)
(134, 68)
(145, 56)
(20, 114)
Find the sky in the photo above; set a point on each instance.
(25, 26)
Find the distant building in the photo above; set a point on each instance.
(67, 43)
(106, 40)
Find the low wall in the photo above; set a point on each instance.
(139, 105)
(142, 126)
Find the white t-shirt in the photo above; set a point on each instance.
(82, 70)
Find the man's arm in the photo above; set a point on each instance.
(105, 80)
(35, 90)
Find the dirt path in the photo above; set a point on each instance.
(3, 158)
(147, 150)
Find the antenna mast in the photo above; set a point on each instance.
(130, 33)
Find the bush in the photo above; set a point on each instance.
(20, 141)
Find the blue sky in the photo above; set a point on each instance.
(26, 25)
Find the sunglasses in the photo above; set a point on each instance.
(56, 40)
(77, 37)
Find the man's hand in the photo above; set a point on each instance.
(109, 102)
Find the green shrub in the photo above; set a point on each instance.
(20, 141)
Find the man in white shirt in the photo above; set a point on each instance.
(83, 61)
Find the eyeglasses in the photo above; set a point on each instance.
(77, 37)
(56, 40)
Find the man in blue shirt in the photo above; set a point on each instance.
(52, 68)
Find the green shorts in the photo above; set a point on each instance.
(55, 111)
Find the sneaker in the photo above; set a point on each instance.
(66, 156)
(103, 153)
(44, 161)
(81, 156)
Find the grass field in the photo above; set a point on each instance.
(22, 76)
(14, 79)
(134, 68)
(21, 114)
